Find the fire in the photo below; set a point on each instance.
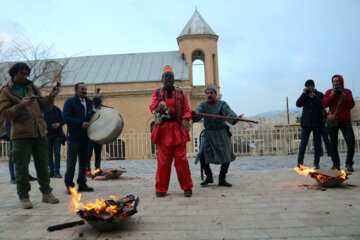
(98, 206)
(306, 171)
(92, 173)
(303, 170)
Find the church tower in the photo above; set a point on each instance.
(198, 41)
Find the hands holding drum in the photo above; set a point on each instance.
(85, 125)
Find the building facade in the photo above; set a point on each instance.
(126, 81)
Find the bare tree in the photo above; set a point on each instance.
(46, 67)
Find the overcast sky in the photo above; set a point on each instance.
(267, 49)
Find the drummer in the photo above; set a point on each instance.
(77, 112)
(93, 146)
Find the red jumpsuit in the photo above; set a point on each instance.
(171, 138)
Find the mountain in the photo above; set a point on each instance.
(272, 114)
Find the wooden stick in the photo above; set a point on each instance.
(65, 225)
(94, 119)
(223, 117)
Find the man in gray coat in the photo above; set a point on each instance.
(215, 146)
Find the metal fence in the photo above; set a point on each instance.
(280, 141)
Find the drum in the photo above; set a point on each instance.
(105, 126)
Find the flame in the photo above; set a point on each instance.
(303, 170)
(306, 171)
(343, 175)
(93, 172)
(99, 205)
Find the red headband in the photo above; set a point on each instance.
(167, 69)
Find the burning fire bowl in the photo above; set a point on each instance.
(109, 215)
(329, 178)
(325, 177)
(109, 173)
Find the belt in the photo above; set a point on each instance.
(171, 119)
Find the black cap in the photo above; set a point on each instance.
(309, 83)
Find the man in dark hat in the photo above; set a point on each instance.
(311, 121)
(171, 134)
(21, 103)
(93, 145)
(215, 146)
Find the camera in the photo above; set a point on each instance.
(58, 85)
(309, 90)
(338, 89)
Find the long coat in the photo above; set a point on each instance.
(215, 139)
(26, 122)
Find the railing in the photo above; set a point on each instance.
(279, 141)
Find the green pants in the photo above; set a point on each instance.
(23, 148)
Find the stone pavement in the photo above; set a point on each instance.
(268, 200)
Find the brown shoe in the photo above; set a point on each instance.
(188, 193)
(48, 197)
(160, 194)
(26, 203)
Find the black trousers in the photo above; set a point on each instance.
(348, 133)
(76, 149)
(223, 170)
(97, 149)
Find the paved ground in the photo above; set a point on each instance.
(268, 200)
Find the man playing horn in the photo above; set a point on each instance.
(215, 146)
(171, 134)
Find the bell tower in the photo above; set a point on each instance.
(197, 41)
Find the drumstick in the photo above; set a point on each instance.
(94, 120)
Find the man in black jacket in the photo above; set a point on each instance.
(311, 120)
(54, 122)
(77, 112)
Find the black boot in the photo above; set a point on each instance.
(223, 182)
(349, 168)
(207, 181)
(335, 167)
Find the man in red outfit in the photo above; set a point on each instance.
(171, 134)
(340, 101)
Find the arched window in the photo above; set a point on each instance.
(198, 67)
(198, 72)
